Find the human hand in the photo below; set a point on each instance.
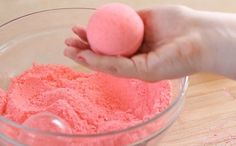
(177, 42)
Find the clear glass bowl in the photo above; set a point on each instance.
(39, 37)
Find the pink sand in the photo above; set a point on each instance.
(115, 29)
(89, 103)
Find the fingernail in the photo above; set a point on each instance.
(81, 59)
(68, 42)
(74, 28)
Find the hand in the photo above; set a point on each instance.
(176, 43)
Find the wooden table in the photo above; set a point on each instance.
(209, 115)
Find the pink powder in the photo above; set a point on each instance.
(89, 103)
(3, 100)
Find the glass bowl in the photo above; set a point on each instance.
(39, 37)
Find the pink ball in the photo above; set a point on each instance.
(115, 29)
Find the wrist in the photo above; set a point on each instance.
(218, 41)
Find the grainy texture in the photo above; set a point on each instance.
(209, 115)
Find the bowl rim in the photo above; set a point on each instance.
(184, 86)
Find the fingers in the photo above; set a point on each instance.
(166, 62)
(77, 43)
(119, 66)
(81, 32)
(80, 41)
(137, 67)
(71, 52)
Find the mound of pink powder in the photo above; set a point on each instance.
(90, 103)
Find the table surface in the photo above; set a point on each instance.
(209, 114)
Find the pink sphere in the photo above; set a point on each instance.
(115, 29)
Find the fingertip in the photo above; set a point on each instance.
(71, 52)
(74, 28)
(67, 41)
(76, 43)
(81, 32)
(65, 52)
